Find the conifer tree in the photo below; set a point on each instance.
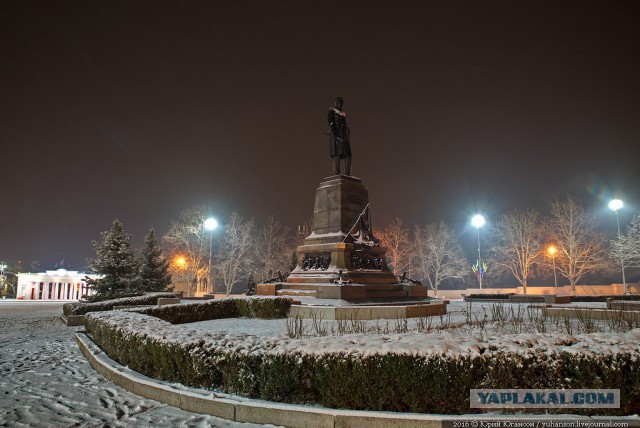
(154, 269)
(116, 262)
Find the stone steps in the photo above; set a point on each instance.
(370, 291)
(294, 292)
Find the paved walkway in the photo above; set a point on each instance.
(45, 381)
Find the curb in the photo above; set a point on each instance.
(240, 409)
(72, 320)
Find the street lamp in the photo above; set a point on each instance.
(478, 221)
(552, 252)
(179, 262)
(615, 205)
(210, 224)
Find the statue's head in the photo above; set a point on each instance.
(339, 102)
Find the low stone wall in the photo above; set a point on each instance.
(368, 312)
(581, 290)
(622, 305)
(592, 313)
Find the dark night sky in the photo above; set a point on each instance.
(138, 110)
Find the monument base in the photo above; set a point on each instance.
(341, 259)
(353, 292)
(341, 263)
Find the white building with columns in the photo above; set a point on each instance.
(58, 284)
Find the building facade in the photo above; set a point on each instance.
(58, 284)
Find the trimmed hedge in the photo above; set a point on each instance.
(574, 298)
(80, 308)
(504, 296)
(401, 382)
(249, 307)
(604, 298)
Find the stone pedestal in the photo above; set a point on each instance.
(340, 202)
(342, 248)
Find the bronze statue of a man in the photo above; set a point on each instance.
(339, 146)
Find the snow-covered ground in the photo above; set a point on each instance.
(460, 316)
(466, 329)
(46, 382)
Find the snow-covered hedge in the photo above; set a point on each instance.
(604, 298)
(81, 308)
(414, 372)
(250, 307)
(495, 296)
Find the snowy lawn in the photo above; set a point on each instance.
(484, 321)
(467, 328)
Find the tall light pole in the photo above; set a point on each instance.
(615, 205)
(210, 224)
(478, 221)
(552, 252)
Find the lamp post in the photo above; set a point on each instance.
(615, 205)
(210, 224)
(552, 252)
(478, 221)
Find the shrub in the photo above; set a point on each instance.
(81, 308)
(95, 298)
(261, 307)
(250, 307)
(604, 298)
(483, 296)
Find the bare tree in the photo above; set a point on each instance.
(581, 248)
(188, 239)
(437, 254)
(272, 251)
(395, 238)
(234, 255)
(627, 247)
(517, 244)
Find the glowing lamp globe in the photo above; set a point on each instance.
(210, 223)
(477, 221)
(615, 205)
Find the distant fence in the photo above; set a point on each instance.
(581, 290)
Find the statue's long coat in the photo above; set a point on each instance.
(339, 144)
